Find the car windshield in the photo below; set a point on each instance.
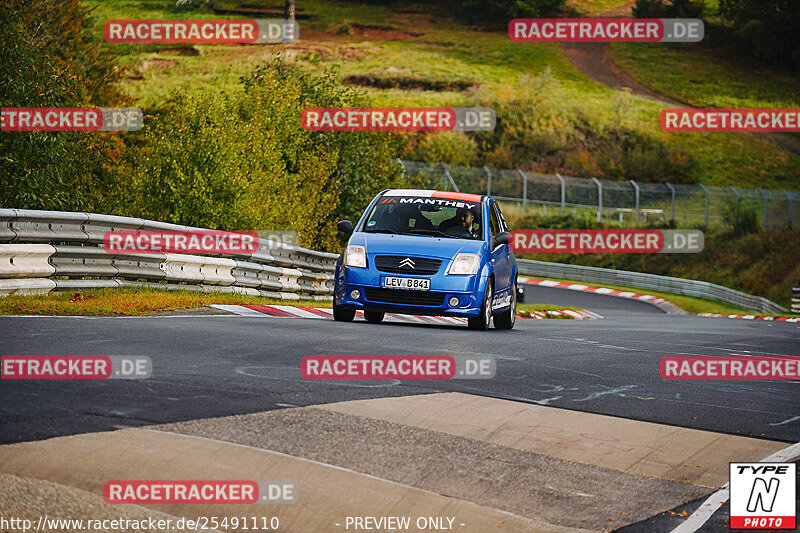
(437, 217)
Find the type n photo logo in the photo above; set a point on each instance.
(763, 495)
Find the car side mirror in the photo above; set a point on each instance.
(500, 238)
(345, 226)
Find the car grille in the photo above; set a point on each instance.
(422, 265)
(394, 296)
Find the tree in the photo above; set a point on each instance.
(289, 10)
(50, 59)
(239, 159)
(766, 28)
(502, 11)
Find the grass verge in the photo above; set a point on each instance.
(525, 310)
(420, 56)
(132, 301)
(129, 301)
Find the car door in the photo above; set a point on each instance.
(501, 263)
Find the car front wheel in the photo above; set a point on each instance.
(506, 319)
(481, 322)
(375, 317)
(341, 314)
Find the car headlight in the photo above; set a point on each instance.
(355, 256)
(465, 264)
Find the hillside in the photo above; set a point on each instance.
(561, 119)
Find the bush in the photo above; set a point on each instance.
(50, 60)
(454, 148)
(766, 29)
(740, 219)
(502, 11)
(240, 160)
(669, 9)
(192, 5)
(628, 154)
(536, 131)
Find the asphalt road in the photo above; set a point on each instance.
(208, 366)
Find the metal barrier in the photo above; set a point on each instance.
(73, 258)
(686, 287)
(796, 299)
(28, 265)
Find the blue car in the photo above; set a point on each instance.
(423, 252)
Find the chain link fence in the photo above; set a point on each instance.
(624, 201)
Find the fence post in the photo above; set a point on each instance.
(766, 205)
(672, 193)
(488, 180)
(448, 178)
(791, 207)
(738, 196)
(563, 194)
(599, 199)
(705, 190)
(638, 212)
(524, 191)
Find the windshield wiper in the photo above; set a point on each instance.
(431, 232)
(383, 231)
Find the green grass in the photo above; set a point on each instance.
(526, 309)
(129, 301)
(593, 8)
(702, 76)
(699, 75)
(446, 49)
(135, 301)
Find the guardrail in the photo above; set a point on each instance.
(57, 250)
(796, 299)
(686, 287)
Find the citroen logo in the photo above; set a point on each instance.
(407, 263)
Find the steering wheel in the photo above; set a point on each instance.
(459, 231)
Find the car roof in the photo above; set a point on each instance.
(425, 193)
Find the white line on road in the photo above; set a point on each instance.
(715, 501)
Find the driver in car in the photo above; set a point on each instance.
(464, 218)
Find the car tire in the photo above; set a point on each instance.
(481, 322)
(507, 319)
(342, 314)
(374, 317)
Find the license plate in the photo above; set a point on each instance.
(409, 284)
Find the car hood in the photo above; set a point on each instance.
(415, 245)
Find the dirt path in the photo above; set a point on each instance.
(594, 60)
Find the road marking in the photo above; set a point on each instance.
(786, 421)
(288, 311)
(715, 501)
(237, 309)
